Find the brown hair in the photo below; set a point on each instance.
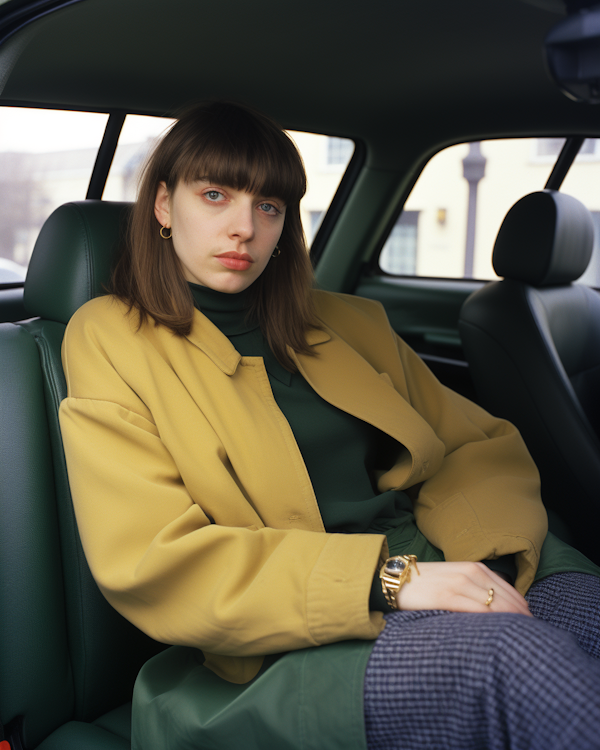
(229, 145)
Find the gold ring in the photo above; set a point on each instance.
(490, 597)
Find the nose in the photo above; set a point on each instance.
(242, 220)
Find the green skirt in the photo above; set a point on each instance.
(304, 700)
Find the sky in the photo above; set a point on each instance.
(39, 131)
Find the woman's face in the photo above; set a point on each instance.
(223, 237)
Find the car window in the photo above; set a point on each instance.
(138, 137)
(46, 159)
(452, 216)
(582, 182)
(325, 159)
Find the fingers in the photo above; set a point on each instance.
(477, 594)
(506, 598)
(503, 602)
(460, 587)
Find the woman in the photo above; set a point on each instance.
(269, 447)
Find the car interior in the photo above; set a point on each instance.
(403, 82)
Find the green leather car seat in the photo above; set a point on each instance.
(68, 660)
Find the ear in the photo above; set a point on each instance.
(162, 205)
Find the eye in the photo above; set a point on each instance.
(269, 208)
(213, 195)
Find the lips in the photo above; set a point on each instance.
(235, 261)
(236, 256)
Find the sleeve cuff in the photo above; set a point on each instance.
(377, 601)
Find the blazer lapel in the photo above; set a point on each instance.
(346, 380)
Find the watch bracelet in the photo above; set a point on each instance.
(390, 584)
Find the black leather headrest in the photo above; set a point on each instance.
(73, 256)
(546, 239)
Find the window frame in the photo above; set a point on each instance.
(562, 164)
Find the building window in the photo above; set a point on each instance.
(553, 146)
(339, 151)
(399, 254)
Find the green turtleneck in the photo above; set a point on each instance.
(340, 451)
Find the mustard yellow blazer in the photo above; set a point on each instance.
(195, 508)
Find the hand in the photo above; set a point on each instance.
(459, 587)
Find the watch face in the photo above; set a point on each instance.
(394, 566)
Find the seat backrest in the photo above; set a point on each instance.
(79, 655)
(36, 682)
(532, 342)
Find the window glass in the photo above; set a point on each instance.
(400, 252)
(453, 214)
(46, 159)
(339, 151)
(582, 182)
(138, 137)
(553, 146)
(325, 160)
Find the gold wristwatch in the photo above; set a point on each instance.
(394, 573)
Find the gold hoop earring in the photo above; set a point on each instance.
(276, 252)
(166, 237)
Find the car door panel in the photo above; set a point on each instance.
(424, 312)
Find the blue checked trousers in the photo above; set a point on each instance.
(441, 680)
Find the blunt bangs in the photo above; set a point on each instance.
(233, 147)
(227, 145)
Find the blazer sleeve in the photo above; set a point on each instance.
(484, 500)
(160, 560)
